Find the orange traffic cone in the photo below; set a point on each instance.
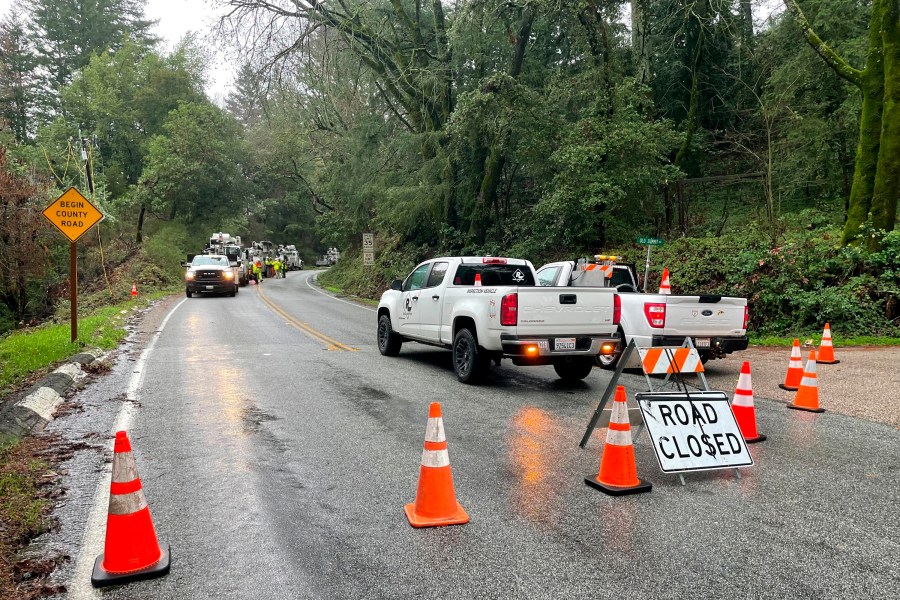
(807, 397)
(134, 289)
(436, 503)
(795, 370)
(618, 472)
(664, 287)
(743, 408)
(132, 551)
(477, 279)
(825, 355)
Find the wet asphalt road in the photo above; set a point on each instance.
(276, 463)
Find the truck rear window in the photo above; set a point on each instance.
(493, 275)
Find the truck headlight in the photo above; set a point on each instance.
(190, 275)
(229, 274)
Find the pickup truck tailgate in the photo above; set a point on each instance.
(704, 315)
(565, 310)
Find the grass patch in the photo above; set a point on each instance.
(28, 351)
(817, 338)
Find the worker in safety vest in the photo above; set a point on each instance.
(257, 271)
(276, 268)
(267, 270)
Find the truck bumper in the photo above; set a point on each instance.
(717, 345)
(539, 350)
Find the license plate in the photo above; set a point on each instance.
(209, 287)
(564, 344)
(701, 342)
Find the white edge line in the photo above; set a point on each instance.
(95, 530)
(332, 297)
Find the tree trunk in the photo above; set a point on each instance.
(139, 236)
(886, 190)
(640, 43)
(493, 164)
(871, 83)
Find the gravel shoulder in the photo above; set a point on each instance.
(864, 384)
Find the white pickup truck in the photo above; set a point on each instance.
(717, 325)
(486, 308)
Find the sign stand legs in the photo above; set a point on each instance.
(606, 395)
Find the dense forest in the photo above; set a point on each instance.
(760, 140)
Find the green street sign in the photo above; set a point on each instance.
(649, 241)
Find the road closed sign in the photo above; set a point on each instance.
(693, 432)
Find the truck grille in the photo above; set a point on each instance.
(209, 276)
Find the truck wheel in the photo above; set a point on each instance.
(573, 368)
(389, 342)
(188, 293)
(469, 361)
(611, 362)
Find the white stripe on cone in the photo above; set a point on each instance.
(745, 385)
(618, 438)
(434, 430)
(435, 458)
(809, 382)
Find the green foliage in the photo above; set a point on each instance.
(25, 351)
(792, 289)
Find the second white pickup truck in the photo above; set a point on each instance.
(717, 325)
(487, 308)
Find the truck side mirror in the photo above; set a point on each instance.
(184, 264)
(397, 285)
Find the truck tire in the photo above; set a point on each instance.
(470, 362)
(573, 368)
(188, 293)
(611, 362)
(389, 341)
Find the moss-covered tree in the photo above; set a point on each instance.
(876, 177)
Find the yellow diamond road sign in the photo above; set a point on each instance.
(73, 214)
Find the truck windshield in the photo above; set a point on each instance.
(493, 275)
(210, 260)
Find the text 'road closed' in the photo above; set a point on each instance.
(693, 431)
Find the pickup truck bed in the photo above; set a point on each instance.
(717, 325)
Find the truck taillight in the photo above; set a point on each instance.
(617, 309)
(656, 314)
(746, 316)
(509, 309)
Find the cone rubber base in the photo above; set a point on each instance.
(815, 410)
(640, 488)
(827, 362)
(788, 389)
(102, 578)
(460, 517)
(759, 438)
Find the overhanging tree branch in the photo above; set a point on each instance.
(838, 64)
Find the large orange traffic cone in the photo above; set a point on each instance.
(664, 287)
(825, 355)
(743, 408)
(618, 472)
(132, 551)
(436, 503)
(795, 370)
(477, 279)
(807, 397)
(134, 289)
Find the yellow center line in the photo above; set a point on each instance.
(316, 335)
